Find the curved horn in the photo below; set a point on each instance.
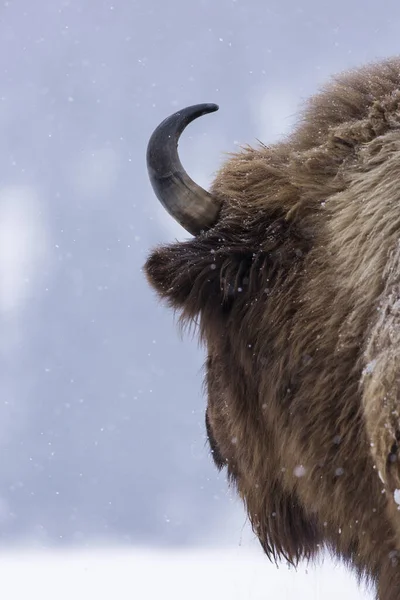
(192, 206)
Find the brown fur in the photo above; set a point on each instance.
(296, 292)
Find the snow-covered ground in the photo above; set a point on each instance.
(144, 574)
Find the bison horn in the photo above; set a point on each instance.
(192, 206)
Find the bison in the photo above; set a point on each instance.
(292, 278)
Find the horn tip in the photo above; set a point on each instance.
(212, 106)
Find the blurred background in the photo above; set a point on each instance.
(102, 437)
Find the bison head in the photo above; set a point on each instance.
(293, 279)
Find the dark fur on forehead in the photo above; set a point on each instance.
(217, 272)
(294, 290)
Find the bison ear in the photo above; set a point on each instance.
(198, 273)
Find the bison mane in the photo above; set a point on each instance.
(296, 294)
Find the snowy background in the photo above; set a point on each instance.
(102, 440)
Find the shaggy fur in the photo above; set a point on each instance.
(296, 292)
